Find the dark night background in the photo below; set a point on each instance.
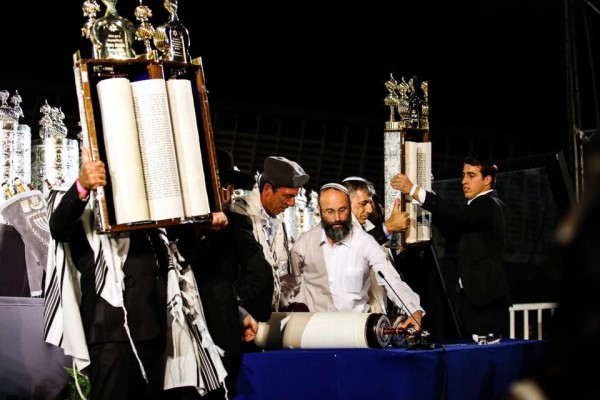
(305, 79)
(496, 69)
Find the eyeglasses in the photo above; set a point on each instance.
(339, 211)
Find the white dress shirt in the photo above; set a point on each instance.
(337, 277)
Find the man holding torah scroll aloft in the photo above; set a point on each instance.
(363, 207)
(120, 332)
(332, 264)
(474, 233)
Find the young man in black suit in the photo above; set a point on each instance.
(474, 233)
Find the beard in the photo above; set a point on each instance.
(337, 234)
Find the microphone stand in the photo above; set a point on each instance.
(421, 343)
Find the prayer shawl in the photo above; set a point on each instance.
(277, 253)
(62, 295)
(192, 357)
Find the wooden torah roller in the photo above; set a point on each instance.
(316, 330)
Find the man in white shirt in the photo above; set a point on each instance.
(332, 264)
(362, 205)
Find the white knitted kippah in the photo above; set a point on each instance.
(337, 186)
(354, 178)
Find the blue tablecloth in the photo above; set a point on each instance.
(457, 370)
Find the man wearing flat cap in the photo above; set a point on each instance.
(276, 190)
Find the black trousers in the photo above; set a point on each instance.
(482, 320)
(115, 373)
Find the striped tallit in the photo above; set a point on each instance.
(62, 295)
(193, 359)
(62, 320)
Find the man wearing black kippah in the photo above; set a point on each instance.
(261, 292)
(474, 233)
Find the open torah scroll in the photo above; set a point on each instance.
(417, 166)
(153, 149)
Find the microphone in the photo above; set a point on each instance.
(417, 346)
(401, 301)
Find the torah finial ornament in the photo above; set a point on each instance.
(90, 8)
(9, 115)
(51, 122)
(391, 100)
(145, 31)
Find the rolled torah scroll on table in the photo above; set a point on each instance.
(318, 330)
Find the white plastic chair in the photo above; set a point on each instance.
(526, 309)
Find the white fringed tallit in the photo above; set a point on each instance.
(192, 360)
(192, 357)
(62, 295)
(62, 319)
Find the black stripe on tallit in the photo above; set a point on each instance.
(207, 368)
(52, 298)
(101, 270)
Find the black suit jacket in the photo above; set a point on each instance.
(145, 282)
(474, 243)
(221, 260)
(378, 233)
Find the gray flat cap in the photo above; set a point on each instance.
(284, 172)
